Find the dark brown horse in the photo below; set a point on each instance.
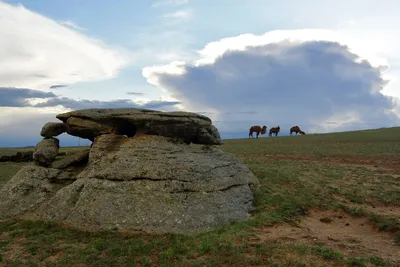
(295, 129)
(274, 130)
(257, 129)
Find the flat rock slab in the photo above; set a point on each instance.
(190, 127)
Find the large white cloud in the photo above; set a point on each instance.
(37, 52)
(300, 77)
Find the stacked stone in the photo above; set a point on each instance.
(47, 150)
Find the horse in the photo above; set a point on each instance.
(296, 129)
(257, 129)
(274, 130)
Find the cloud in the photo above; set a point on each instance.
(179, 15)
(161, 44)
(18, 97)
(58, 86)
(119, 103)
(37, 52)
(135, 93)
(18, 129)
(283, 81)
(22, 97)
(72, 24)
(21, 120)
(169, 3)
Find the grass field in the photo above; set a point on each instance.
(324, 200)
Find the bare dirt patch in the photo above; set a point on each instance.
(389, 210)
(351, 236)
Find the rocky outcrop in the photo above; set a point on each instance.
(46, 151)
(190, 127)
(52, 129)
(147, 182)
(25, 156)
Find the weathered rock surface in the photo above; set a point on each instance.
(143, 183)
(52, 129)
(140, 173)
(46, 151)
(190, 127)
(29, 188)
(75, 159)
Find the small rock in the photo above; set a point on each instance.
(326, 220)
(52, 129)
(46, 151)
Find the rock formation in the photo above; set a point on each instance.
(190, 127)
(141, 172)
(24, 156)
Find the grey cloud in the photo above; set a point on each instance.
(287, 83)
(85, 104)
(17, 97)
(25, 129)
(58, 86)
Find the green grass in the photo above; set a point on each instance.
(296, 174)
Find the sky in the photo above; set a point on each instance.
(326, 66)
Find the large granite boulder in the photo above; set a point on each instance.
(144, 183)
(190, 127)
(151, 181)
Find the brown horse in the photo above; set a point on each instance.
(274, 130)
(257, 129)
(296, 129)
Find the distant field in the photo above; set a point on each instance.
(324, 200)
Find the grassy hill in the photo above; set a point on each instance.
(324, 200)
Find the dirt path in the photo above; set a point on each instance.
(350, 236)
